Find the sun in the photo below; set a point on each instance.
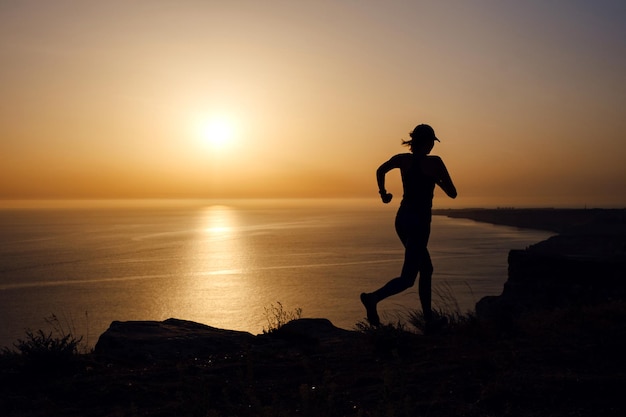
(217, 132)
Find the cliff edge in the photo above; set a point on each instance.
(585, 263)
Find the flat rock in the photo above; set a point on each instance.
(169, 339)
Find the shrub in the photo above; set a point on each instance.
(48, 351)
(40, 344)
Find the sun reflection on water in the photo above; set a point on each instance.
(219, 286)
(219, 243)
(218, 220)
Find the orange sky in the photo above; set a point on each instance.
(103, 99)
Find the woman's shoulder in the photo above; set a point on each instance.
(402, 156)
(402, 159)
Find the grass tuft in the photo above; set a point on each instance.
(276, 316)
(446, 310)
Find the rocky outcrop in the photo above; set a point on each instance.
(175, 339)
(584, 265)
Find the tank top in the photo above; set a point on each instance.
(418, 187)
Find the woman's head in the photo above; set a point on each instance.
(422, 139)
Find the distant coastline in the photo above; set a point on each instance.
(550, 219)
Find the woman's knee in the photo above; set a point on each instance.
(406, 281)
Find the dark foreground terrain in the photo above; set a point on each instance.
(559, 363)
(546, 361)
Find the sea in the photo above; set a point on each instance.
(79, 265)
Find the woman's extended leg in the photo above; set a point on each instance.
(425, 284)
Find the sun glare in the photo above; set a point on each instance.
(217, 132)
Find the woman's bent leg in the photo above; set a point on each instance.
(395, 286)
(414, 233)
(413, 253)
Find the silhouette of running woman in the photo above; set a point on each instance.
(419, 172)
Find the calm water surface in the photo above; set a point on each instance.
(223, 263)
